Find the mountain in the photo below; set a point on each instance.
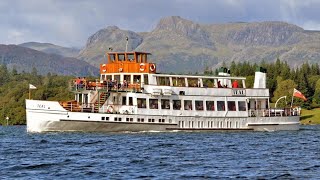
(111, 37)
(52, 49)
(25, 59)
(179, 45)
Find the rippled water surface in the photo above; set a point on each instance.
(177, 155)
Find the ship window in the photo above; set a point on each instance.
(165, 104)
(127, 119)
(103, 77)
(146, 79)
(109, 77)
(221, 106)
(142, 119)
(115, 119)
(112, 57)
(131, 119)
(187, 105)
(163, 81)
(231, 106)
(182, 93)
(176, 104)
(141, 102)
(102, 118)
(138, 58)
(210, 105)
(130, 101)
(242, 105)
(124, 100)
(107, 118)
(153, 103)
(120, 57)
(208, 83)
(199, 105)
(127, 78)
(193, 82)
(149, 120)
(119, 119)
(130, 57)
(136, 79)
(117, 78)
(179, 82)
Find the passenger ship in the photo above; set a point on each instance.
(130, 97)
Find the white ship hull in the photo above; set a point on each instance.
(48, 116)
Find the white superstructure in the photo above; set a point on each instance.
(130, 96)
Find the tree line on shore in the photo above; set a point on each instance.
(281, 80)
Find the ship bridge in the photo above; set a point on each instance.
(127, 62)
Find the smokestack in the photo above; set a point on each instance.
(260, 78)
(224, 72)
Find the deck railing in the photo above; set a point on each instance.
(108, 86)
(74, 106)
(273, 112)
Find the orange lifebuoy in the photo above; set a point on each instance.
(120, 69)
(142, 67)
(152, 67)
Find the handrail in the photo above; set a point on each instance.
(273, 112)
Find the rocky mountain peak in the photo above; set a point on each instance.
(110, 37)
(265, 33)
(178, 24)
(175, 25)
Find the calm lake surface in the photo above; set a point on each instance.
(174, 155)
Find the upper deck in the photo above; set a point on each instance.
(127, 62)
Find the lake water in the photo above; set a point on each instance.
(174, 155)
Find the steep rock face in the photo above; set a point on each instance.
(52, 49)
(111, 37)
(265, 34)
(24, 59)
(176, 26)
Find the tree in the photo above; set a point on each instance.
(285, 88)
(316, 95)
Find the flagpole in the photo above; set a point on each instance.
(292, 98)
(29, 93)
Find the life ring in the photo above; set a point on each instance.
(120, 69)
(142, 67)
(152, 67)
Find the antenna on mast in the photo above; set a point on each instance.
(127, 43)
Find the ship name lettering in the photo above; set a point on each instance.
(42, 106)
(239, 92)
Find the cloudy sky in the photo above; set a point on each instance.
(71, 22)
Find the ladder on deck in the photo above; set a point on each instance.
(102, 98)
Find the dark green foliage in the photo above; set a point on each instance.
(14, 89)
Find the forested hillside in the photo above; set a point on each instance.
(280, 79)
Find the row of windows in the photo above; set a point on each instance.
(219, 124)
(188, 105)
(182, 124)
(131, 119)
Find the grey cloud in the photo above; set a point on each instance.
(71, 22)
